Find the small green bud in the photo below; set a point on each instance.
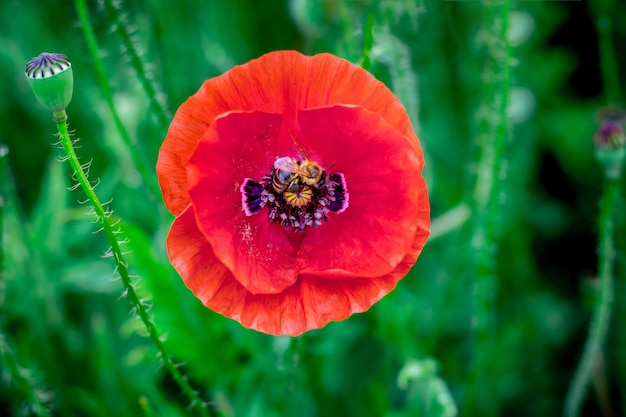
(610, 144)
(51, 79)
(609, 135)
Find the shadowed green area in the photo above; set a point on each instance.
(69, 342)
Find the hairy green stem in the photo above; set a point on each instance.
(488, 201)
(602, 314)
(136, 62)
(122, 267)
(94, 50)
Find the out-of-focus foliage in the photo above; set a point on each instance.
(67, 340)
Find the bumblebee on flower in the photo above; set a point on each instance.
(298, 193)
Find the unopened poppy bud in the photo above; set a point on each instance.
(610, 144)
(609, 135)
(51, 79)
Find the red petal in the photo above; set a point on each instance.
(190, 122)
(279, 82)
(333, 81)
(369, 239)
(263, 84)
(383, 177)
(309, 304)
(190, 252)
(239, 146)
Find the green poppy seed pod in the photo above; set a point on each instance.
(610, 144)
(51, 79)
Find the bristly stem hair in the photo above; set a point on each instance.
(94, 50)
(488, 198)
(121, 265)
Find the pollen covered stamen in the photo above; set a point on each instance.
(297, 193)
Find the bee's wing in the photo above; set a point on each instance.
(299, 145)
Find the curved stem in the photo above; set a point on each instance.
(122, 267)
(92, 44)
(602, 314)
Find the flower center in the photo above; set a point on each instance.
(297, 193)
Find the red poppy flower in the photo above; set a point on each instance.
(297, 189)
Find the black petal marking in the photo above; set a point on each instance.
(251, 196)
(339, 193)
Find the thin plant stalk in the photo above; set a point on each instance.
(608, 59)
(4, 151)
(368, 41)
(123, 32)
(121, 265)
(601, 317)
(493, 135)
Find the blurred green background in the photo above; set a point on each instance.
(67, 340)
